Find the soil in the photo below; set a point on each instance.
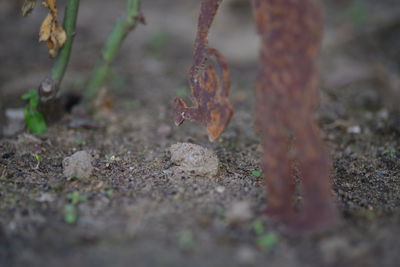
(132, 211)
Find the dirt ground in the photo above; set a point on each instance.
(132, 211)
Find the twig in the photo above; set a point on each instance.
(121, 29)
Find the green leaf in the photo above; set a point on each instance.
(33, 98)
(258, 226)
(256, 173)
(267, 241)
(70, 214)
(76, 197)
(34, 120)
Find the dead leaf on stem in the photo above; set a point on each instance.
(51, 31)
(209, 81)
(27, 7)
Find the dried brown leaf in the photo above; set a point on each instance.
(51, 31)
(208, 79)
(27, 7)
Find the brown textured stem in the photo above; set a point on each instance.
(286, 98)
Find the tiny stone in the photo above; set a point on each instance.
(15, 121)
(193, 160)
(239, 211)
(45, 197)
(220, 189)
(354, 129)
(79, 165)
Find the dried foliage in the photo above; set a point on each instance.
(27, 7)
(286, 99)
(208, 80)
(51, 31)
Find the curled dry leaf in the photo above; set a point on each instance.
(286, 99)
(51, 31)
(27, 7)
(208, 79)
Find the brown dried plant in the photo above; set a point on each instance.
(208, 80)
(51, 30)
(287, 96)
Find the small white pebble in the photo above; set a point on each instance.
(220, 189)
(239, 211)
(354, 129)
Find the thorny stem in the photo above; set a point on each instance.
(121, 29)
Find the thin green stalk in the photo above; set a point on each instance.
(61, 62)
(121, 29)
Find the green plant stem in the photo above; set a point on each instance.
(61, 62)
(121, 29)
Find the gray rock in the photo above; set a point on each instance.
(15, 121)
(193, 160)
(239, 211)
(79, 165)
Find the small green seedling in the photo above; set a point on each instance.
(79, 142)
(70, 211)
(256, 173)
(38, 160)
(186, 240)
(257, 226)
(109, 192)
(389, 152)
(34, 120)
(70, 214)
(267, 241)
(110, 159)
(76, 197)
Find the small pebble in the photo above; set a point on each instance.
(220, 189)
(193, 160)
(79, 165)
(239, 211)
(354, 129)
(14, 121)
(45, 197)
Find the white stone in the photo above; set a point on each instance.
(193, 160)
(239, 211)
(79, 165)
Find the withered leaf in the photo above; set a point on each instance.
(51, 31)
(27, 7)
(208, 79)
